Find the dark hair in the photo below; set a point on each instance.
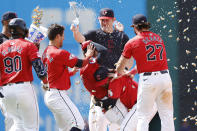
(8, 16)
(145, 25)
(54, 30)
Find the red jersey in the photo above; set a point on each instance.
(94, 87)
(148, 50)
(16, 58)
(125, 89)
(57, 62)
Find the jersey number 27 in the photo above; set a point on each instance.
(152, 49)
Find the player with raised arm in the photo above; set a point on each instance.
(57, 61)
(112, 39)
(155, 85)
(17, 56)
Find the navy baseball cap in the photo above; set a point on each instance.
(8, 15)
(138, 19)
(106, 13)
(98, 47)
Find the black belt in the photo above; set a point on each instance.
(150, 73)
(20, 82)
(53, 88)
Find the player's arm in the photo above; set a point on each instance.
(126, 59)
(89, 54)
(37, 62)
(71, 62)
(76, 34)
(73, 71)
(122, 63)
(41, 72)
(119, 26)
(40, 69)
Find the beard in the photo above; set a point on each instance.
(106, 28)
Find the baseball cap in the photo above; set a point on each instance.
(106, 13)
(8, 15)
(101, 76)
(138, 19)
(98, 47)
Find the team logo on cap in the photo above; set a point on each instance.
(104, 12)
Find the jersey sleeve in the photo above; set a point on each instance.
(33, 52)
(69, 59)
(125, 39)
(127, 52)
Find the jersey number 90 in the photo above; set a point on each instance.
(12, 64)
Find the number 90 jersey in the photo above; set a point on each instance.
(148, 50)
(16, 58)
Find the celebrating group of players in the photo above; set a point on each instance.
(117, 102)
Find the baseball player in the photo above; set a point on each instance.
(6, 17)
(114, 41)
(16, 59)
(115, 97)
(155, 85)
(4, 35)
(57, 61)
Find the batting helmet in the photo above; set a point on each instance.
(18, 28)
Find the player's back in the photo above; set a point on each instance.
(125, 89)
(16, 58)
(149, 52)
(129, 95)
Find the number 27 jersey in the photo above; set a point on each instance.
(16, 58)
(148, 50)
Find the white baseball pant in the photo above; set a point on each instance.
(117, 113)
(155, 88)
(98, 121)
(8, 121)
(130, 121)
(65, 112)
(21, 105)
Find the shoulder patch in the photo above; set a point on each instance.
(71, 57)
(92, 61)
(110, 93)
